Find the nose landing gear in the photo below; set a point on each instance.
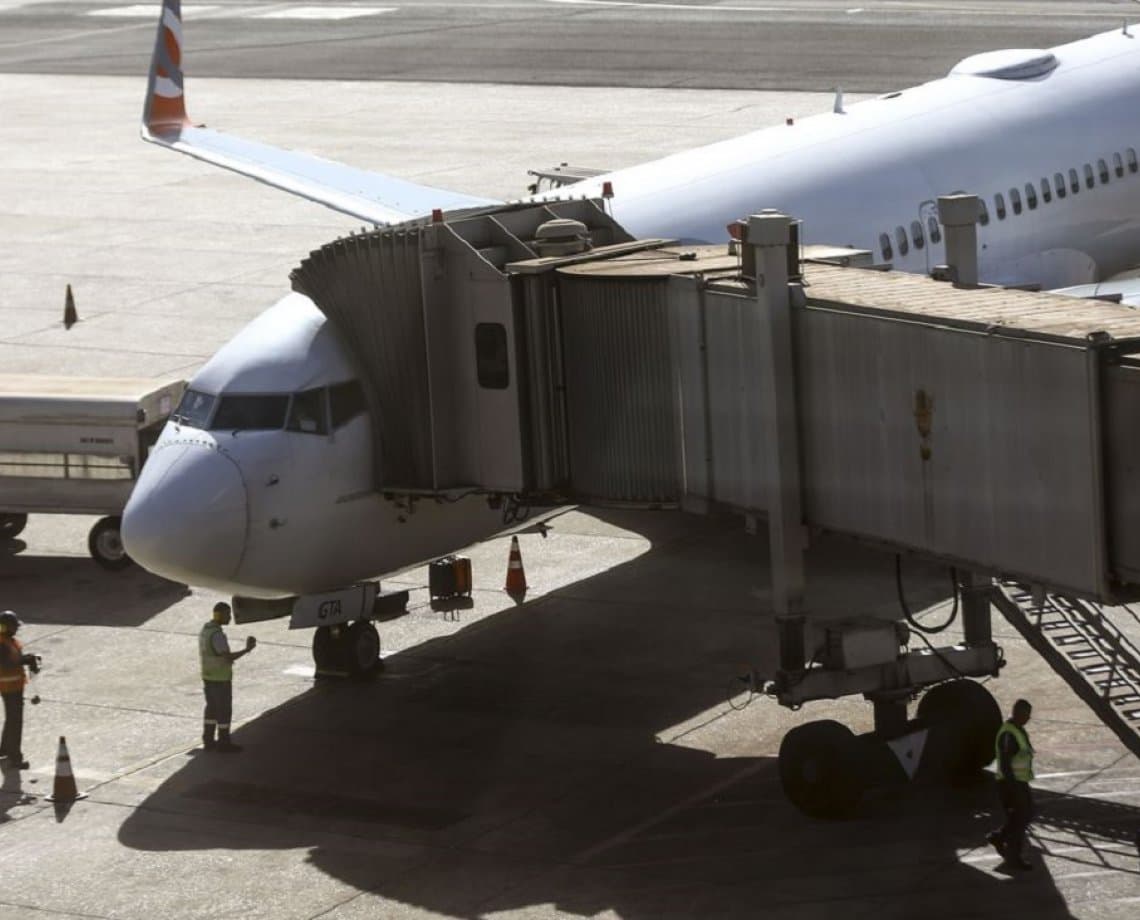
(347, 650)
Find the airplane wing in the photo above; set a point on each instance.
(372, 197)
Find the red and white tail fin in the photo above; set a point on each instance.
(165, 110)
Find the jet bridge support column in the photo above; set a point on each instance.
(959, 215)
(767, 237)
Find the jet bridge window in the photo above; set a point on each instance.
(916, 234)
(307, 413)
(1059, 182)
(1074, 181)
(346, 402)
(1031, 196)
(1131, 155)
(1090, 180)
(935, 231)
(1102, 168)
(1118, 165)
(1046, 191)
(250, 413)
(491, 359)
(885, 246)
(194, 410)
(999, 206)
(1015, 200)
(900, 238)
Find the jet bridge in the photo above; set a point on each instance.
(540, 350)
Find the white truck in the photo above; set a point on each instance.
(75, 445)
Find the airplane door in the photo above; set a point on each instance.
(928, 217)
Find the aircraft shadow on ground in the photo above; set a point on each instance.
(75, 591)
(538, 757)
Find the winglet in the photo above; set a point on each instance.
(165, 110)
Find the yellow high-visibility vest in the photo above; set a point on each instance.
(1020, 763)
(214, 666)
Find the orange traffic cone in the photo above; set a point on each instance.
(516, 577)
(70, 316)
(64, 789)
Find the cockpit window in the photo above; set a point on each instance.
(307, 414)
(194, 410)
(250, 413)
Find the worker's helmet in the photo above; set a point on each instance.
(9, 622)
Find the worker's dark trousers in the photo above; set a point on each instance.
(1017, 803)
(13, 737)
(219, 708)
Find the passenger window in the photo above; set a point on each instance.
(1118, 165)
(194, 410)
(934, 230)
(1131, 155)
(885, 246)
(1090, 182)
(250, 413)
(346, 402)
(1102, 168)
(1015, 200)
(983, 212)
(1059, 182)
(1046, 191)
(491, 359)
(999, 206)
(307, 413)
(1031, 196)
(900, 238)
(916, 234)
(1074, 181)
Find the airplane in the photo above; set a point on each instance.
(261, 485)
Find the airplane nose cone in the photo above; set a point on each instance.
(186, 518)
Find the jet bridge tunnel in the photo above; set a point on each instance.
(991, 428)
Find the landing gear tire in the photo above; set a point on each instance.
(12, 525)
(968, 715)
(820, 769)
(327, 649)
(347, 651)
(362, 650)
(105, 544)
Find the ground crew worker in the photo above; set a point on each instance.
(1014, 756)
(217, 679)
(13, 679)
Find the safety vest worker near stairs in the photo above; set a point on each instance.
(217, 680)
(1014, 772)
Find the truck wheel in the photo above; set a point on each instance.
(106, 545)
(12, 525)
(968, 715)
(362, 651)
(820, 769)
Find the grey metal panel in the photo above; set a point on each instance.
(620, 406)
(544, 404)
(1122, 468)
(685, 299)
(1008, 475)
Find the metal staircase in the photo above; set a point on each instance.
(1088, 650)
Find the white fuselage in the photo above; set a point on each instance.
(287, 506)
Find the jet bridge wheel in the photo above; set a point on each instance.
(967, 717)
(106, 544)
(12, 525)
(820, 769)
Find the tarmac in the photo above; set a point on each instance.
(588, 752)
